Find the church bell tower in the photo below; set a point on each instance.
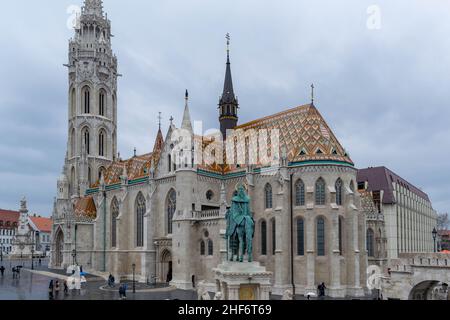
(92, 110)
(228, 104)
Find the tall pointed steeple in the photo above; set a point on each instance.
(186, 124)
(228, 103)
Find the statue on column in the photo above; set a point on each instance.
(240, 227)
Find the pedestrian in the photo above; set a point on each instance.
(50, 290)
(18, 272)
(56, 288)
(110, 280)
(66, 288)
(40, 261)
(125, 290)
(113, 280)
(14, 272)
(322, 290)
(121, 292)
(2, 270)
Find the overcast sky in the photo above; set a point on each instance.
(384, 91)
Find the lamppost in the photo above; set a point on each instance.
(134, 283)
(434, 232)
(74, 255)
(32, 255)
(1, 253)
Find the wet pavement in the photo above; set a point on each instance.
(33, 285)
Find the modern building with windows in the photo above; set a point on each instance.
(400, 216)
(162, 214)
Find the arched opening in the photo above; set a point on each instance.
(268, 196)
(140, 212)
(338, 187)
(320, 235)
(72, 183)
(429, 290)
(370, 243)
(320, 192)
(300, 237)
(85, 142)
(72, 142)
(59, 248)
(86, 94)
(263, 237)
(299, 193)
(102, 143)
(102, 102)
(171, 207)
(73, 103)
(166, 266)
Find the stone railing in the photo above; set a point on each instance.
(207, 214)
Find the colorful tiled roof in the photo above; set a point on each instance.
(304, 133)
(85, 207)
(43, 224)
(9, 219)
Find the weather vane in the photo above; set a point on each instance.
(228, 37)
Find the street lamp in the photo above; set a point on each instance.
(32, 255)
(434, 232)
(74, 255)
(1, 253)
(134, 283)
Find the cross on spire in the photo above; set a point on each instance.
(312, 93)
(159, 120)
(171, 120)
(228, 37)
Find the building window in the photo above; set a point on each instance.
(268, 196)
(361, 185)
(140, 212)
(101, 144)
(171, 207)
(274, 237)
(320, 236)
(210, 248)
(338, 187)
(370, 243)
(300, 237)
(202, 248)
(86, 141)
(87, 100)
(209, 195)
(101, 103)
(263, 238)
(320, 192)
(299, 193)
(73, 103)
(169, 161)
(114, 215)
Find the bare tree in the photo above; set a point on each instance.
(442, 221)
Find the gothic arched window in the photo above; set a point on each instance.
(370, 243)
(86, 140)
(86, 94)
(300, 237)
(72, 143)
(72, 181)
(299, 193)
(338, 187)
(140, 212)
(320, 236)
(202, 248)
(320, 192)
(169, 162)
(352, 186)
(102, 102)
(101, 143)
(263, 238)
(210, 248)
(171, 207)
(268, 196)
(73, 103)
(101, 171)
(114, 215)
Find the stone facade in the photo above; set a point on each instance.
(164, 212)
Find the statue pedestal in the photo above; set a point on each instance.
(243, 281)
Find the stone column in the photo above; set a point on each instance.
(310, 253)
(335, 273)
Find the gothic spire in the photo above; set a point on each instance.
(228, 104)
(186, 124)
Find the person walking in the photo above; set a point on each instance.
(40, 261)
(121, 292)
(57, 289)
(50, 290)
(66, 288)
(125, 287)
(14, 272)
(2, 270)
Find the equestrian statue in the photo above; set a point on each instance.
(240, 227)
